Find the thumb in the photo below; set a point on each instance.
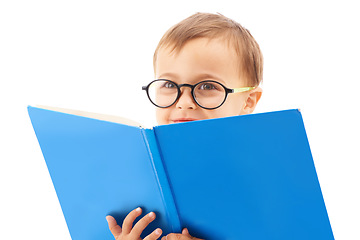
(113, 226)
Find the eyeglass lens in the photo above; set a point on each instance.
(207, 94)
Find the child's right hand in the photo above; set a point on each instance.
(128, 232)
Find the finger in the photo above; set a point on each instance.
(185, 232)
(129, 220)
(154, 235)
(174, 236)
(113, 226)
(143, 223)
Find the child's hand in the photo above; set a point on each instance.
(127, 232)
(185, 235)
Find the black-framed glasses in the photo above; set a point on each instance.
(207, 94)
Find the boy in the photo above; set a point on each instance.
(206, 66)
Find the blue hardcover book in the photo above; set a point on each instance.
(243, 177)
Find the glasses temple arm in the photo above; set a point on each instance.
(243, 89)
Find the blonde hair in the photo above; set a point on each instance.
(218, 26)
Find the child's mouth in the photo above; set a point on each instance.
(180, 120)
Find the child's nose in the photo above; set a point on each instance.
(186, 100)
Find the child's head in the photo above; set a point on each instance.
(200, 48)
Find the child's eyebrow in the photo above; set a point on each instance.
(198, 77)
(172, 76)
(207, 76)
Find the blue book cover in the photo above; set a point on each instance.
(243, 177)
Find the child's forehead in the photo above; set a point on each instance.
(200, 52)
(175, 48)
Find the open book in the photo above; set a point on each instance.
(243, 177)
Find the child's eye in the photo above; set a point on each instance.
(169, 85)
(207, 86)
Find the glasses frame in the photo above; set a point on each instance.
(192, 87)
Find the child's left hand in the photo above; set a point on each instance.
(185, 235)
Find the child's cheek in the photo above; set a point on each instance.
(162, 116)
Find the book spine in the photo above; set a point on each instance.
(162, 180)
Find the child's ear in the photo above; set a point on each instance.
(252, 100)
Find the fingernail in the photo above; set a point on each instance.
(151, 214)
(158, 231)
(138, 209)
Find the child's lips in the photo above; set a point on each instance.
(180, 120)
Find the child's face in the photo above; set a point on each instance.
(203, 59)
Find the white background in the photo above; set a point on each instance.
(96, 55)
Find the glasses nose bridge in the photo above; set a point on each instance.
(185, 85)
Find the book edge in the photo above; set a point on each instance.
(92, 115)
